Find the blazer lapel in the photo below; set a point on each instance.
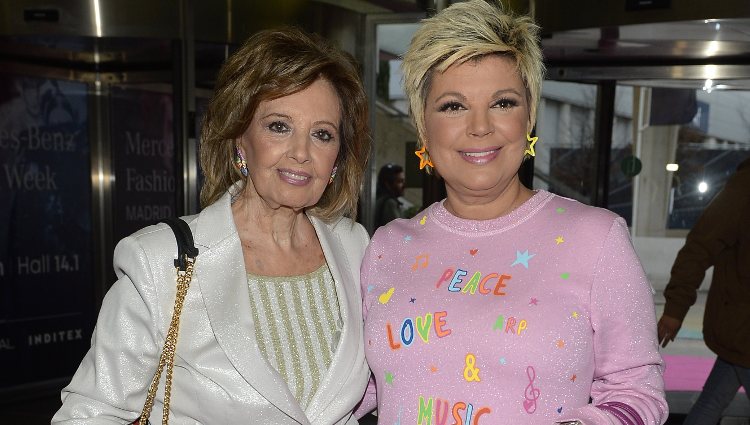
(220, 272)
(350, 338)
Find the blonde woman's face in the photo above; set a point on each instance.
(291, 146)
(476, 117)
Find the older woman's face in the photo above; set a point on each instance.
(476, 118)
(291, 146)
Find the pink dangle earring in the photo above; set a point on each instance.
(333, 175)
(239, 161)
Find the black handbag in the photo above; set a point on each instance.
(186, 254)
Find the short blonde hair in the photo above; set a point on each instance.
(465, 31)
(269, 65)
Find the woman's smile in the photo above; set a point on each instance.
(480, 157)
(297, 178)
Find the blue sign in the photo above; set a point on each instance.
(46, 279)
(144, 159)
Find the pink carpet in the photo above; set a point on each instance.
(687, 373)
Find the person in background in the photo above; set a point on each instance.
(390, 187)
(720, 239)
(500, 304)
(271, 329)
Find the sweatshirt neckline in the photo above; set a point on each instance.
(455, 224)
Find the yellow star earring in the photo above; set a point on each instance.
(424, 158)
(530, 151)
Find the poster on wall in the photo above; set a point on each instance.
(144, 159)
(46, 278)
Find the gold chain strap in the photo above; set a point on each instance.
(170, 346)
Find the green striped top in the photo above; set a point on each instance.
(297, 326)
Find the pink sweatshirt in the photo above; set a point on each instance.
(515, 320)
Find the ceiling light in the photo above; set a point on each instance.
(97, 18)
(672, 167)
(702, 187)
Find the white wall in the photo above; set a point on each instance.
(657, 256)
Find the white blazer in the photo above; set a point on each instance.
(220, 375)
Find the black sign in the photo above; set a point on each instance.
(41, 15)
(631, 5)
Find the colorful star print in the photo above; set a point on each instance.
(407, 238)
(560, 343)
(533, 301)
(523, 258)
(503, 361)
(565, 276)
(559, 240)
(560, 210)
(388, 378)
(412, 300)
(575, 314)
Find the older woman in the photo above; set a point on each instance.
(500, 304)
(271, 327)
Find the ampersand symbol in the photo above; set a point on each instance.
(471, 373)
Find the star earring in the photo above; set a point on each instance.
(424, 158)
(532, 141)
(239, 161)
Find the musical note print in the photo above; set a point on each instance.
(386, 296)
(531, 393)
(471, 373)
(425, 261)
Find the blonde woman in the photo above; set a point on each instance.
(501, 304)
(271, 327)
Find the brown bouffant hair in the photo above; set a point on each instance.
(269, 65)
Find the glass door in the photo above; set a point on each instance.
(674, 144)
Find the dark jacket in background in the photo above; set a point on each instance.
(720, 238)
(387, 208)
